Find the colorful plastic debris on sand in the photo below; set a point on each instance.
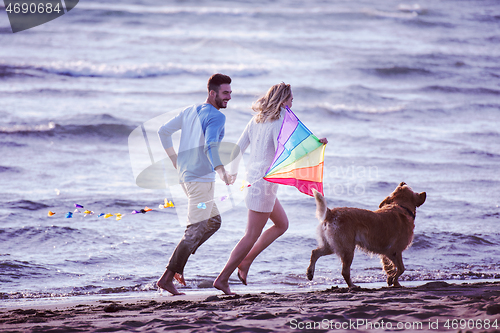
(166, 204)
(119, 216)
(244, 184)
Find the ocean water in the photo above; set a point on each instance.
(403, 90)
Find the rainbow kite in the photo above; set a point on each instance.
(299, 157)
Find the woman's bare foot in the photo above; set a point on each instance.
(223, 286)
(168, 286)
(243, 273)
(242, 279)
(180, 279)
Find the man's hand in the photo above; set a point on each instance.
(173, 156)
(226, 178)
(323, 141)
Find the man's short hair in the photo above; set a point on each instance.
(215, 81)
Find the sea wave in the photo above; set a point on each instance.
(128, 71)
(11, 144)
(375, 275)
(52, 130)
(455, 242)
(480, 153)
(87, 290)
(15, 269)
(87, 126)
(421, 241)
(400, 70)
(456, 247)
(26, 205)
(474, 240)
(8, 71)
(480, 136)
(36, 234)
(238, 10)
(402, 14)
(466, 275)
(461, 90)
(361, 108)
(25, 129)
(9, 169)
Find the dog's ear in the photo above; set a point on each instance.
(421, 198)
(385, 202)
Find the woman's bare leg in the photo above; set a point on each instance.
(280, 220)
(256, 222)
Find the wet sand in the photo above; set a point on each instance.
(434, 306)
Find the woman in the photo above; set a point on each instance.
(261, 135)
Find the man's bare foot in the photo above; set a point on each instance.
(224, 287)
(180, 279)
(170, 287)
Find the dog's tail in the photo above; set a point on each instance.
(321, 207)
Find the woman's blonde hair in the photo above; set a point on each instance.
(268, 107)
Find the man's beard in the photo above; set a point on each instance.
(219, 102)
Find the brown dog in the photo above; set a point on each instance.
(387, 231)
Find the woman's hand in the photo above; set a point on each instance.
(323, 141)
(232, 178)
(222, 174)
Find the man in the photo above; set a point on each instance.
(198, 160)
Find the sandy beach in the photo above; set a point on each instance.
(404, 91)
(434, 306)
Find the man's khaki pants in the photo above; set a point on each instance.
(202, 223)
